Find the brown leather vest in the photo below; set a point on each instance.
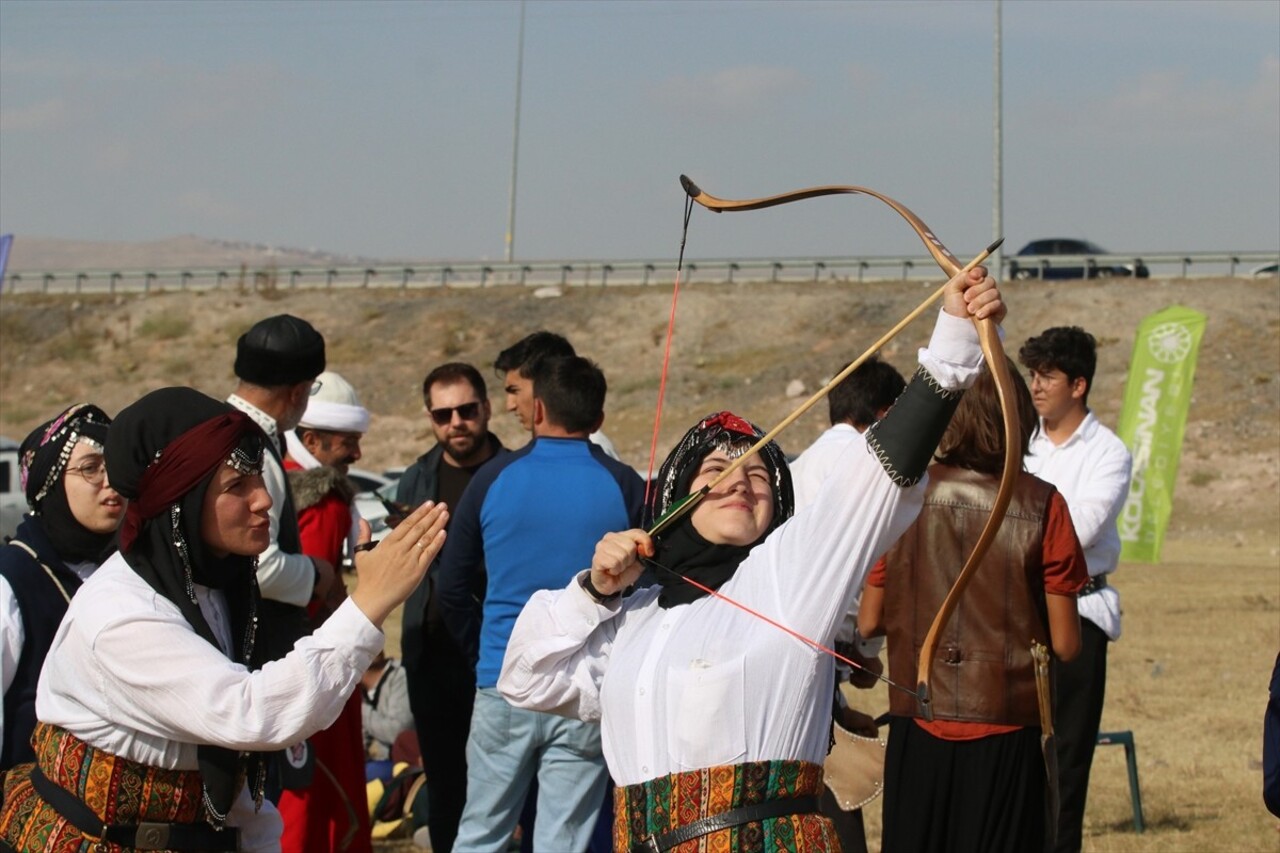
(982, 671)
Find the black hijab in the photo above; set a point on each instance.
(43, 458)
(162, 453)
(681, 549)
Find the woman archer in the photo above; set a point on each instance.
(714, 725)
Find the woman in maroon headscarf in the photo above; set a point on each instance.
(152, 722)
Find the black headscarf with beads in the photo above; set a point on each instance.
(42, 464)
(681, 548)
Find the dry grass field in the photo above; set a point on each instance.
(1201, 630)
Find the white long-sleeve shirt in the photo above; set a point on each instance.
(1091, 469)
(127, 674)
(830, 452)
(705, 684)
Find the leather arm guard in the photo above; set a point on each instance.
(904, 439)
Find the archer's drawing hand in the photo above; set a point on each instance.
(616, 564)
(974, 294)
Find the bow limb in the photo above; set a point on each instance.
(949, 263)
(691, 500)
(997, 363)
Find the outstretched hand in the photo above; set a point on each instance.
(388, 573)
(616, 564)
(974, 294)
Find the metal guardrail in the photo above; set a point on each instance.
(589, 273)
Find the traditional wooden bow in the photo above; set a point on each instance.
(992, 350)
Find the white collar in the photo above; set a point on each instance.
(259, 417)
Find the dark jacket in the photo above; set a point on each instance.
(417, 484)
(43, 605)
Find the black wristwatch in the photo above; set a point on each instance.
(584, 581)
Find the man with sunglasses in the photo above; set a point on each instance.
(440, 680)
(63, 539)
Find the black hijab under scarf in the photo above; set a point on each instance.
(681, 548)
(42, 462)
(162, 453)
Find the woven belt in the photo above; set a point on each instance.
(1095, 583)
(725, 820)
(144, 835)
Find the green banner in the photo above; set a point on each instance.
(1157, 395)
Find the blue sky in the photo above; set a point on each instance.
(384, 129)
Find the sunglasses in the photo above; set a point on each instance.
(444, 415)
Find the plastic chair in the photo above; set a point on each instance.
(1131, 759)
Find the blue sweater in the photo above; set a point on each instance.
(530, 519)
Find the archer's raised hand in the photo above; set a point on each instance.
(974, 294)
(616, 564)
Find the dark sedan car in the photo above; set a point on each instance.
(1060, 246)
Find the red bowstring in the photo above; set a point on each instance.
(756, 613)
(801, 637)
(666, 354)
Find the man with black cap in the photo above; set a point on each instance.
(277, 362)
(60, 542)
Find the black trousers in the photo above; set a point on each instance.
(1080, 687)
(442, 690)
(975, 796)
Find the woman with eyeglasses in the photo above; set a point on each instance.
(153, 726)
(60, 542)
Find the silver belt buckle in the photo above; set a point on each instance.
(152, 836)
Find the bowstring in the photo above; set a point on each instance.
(666, 354)
(794, 633)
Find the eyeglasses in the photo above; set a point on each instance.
(467, 411)
(1046, 379)
(94, 471)
(316, 385)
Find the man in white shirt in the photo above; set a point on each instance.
(861, 399)
(277, 362)
(1090, 466)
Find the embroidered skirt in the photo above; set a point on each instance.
(119, 791)
(669, 802)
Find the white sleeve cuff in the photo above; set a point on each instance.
(954, 355)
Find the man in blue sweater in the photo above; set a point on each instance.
(531, 520)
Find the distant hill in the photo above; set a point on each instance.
(31, 254)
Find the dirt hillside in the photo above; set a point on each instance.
(736, 346)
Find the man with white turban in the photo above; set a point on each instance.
(329, 812)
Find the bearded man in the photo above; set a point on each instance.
(441, 681)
